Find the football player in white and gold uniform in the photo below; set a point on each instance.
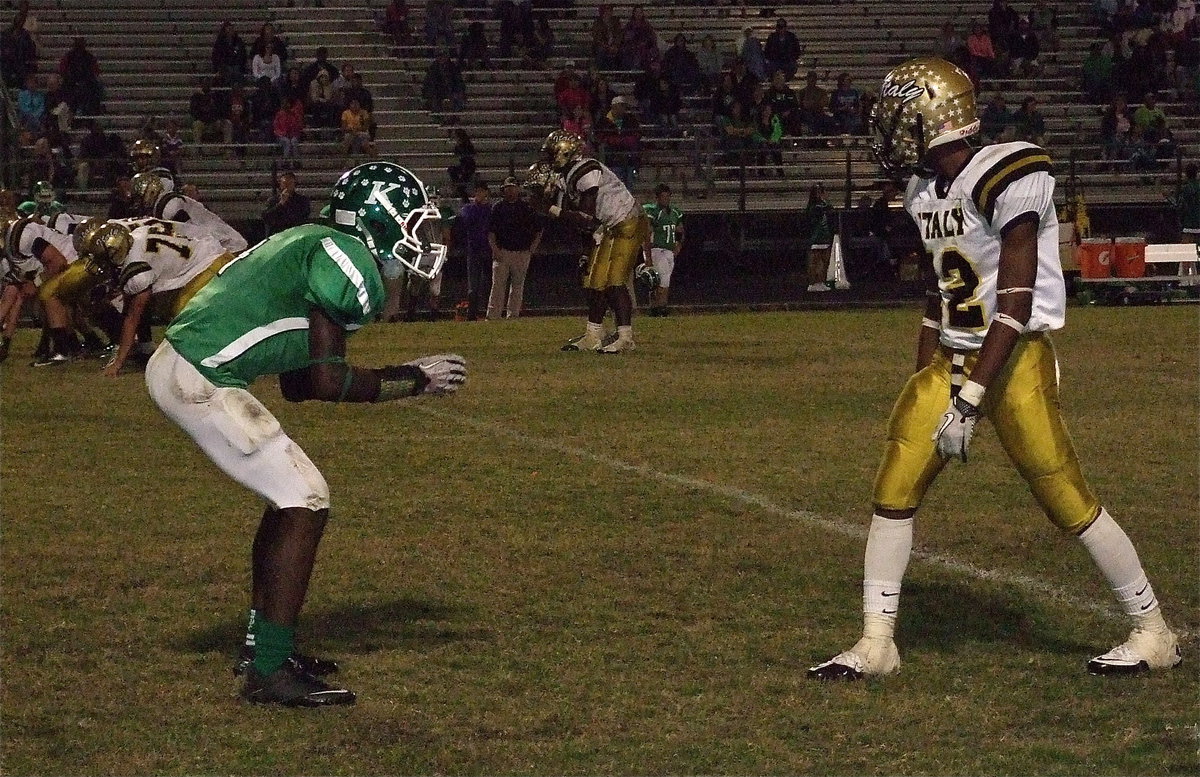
(595, 200)
(987, 218)
(149, 259)
(152, 197)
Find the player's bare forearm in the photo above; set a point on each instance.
(1015, 279)
(135, 308)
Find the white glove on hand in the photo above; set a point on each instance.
(953, 435)
(446, 372)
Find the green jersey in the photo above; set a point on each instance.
(252, 318)
(666, 224)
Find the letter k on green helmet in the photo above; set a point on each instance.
(387, 207)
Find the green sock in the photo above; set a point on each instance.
(272, 645)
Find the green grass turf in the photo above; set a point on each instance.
(504, 605)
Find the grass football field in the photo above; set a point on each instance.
(588, 565)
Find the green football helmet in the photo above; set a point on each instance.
(388, 208)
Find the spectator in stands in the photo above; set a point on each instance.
(267, 38)
(565, 76)
(1097, 72)
(1024, 50)
(228, 56)
(951, 46)
(94, 166)
(267, 64)
(541, 43)
(81, 79)
(723, 97)
(1139, 150)
(711, 62)
(58, 110)
(473, 220)
(606, 39)
(293, 86)
(996, 121)
(579, 122)
(752, 54)
(287, 207)
(395, 22)
(320, 64)
(817, 214)
(768, 135)
(323, 101)
(1159, 135)
(514, 231)
(1043, 19)
(1115, 126)
(573, 96)
(356, 129)
(1002, 27)
(31, 105)
(473, 49)
(1148, 112)
(264, 104)
(516, 24)
(680, 66)
(439, 26)
(1029, 123)
(619, 140)
(846, 106)
(356, 91)
(884, 227)
(639, 42)
(782, 50)
(241, 129)
(209, 120)
(444, 88)
(735, 134)
(170, 146)
(462, 173)
(814, 107)
(743, 80)
(663, 105)
(288, 125)
(52, 158)
(18, 51)
(784, 103)
(602, 96)
(755, 101)
(981, 52)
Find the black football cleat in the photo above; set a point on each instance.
(290, 688)
(313, 665)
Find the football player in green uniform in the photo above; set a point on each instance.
(666, 231)
(285, 307)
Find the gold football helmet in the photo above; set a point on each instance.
(561, 149)
(922, 104)
(147, 188)
(107, 246)
(540, 179)
(143, 154)
(83, 231)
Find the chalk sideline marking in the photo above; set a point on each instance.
(735, 494)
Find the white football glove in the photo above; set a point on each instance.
(446, 372)
(953, 435)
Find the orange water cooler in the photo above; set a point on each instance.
(1129, 257)
(1095, 257)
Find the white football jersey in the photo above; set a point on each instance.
(28, 240)
(614, 203)
(162, 261)
(66, 222)
(962, 223)
(173, 206)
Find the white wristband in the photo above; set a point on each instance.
(972, 392)
(555, 211)
(1009, 321)
(929, 322)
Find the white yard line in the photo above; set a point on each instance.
(1030, 585)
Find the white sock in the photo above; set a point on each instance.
(596, 330)
(889, 545)
(1117, 559)
(250, 627)
(625, 332)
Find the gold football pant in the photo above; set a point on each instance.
(1023, 405)
(71, 286)
(195, 284)
(613, 260)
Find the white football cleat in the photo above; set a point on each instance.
(586, 342)
(1143, 651)
(818, 286)
(870, 657)
(620, 345)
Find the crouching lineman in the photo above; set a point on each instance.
(987, 217)
(153, 197)
(594, 200)
(285, 308)
(147, 261)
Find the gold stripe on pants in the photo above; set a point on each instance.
(1023, 406)
(613, 260)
